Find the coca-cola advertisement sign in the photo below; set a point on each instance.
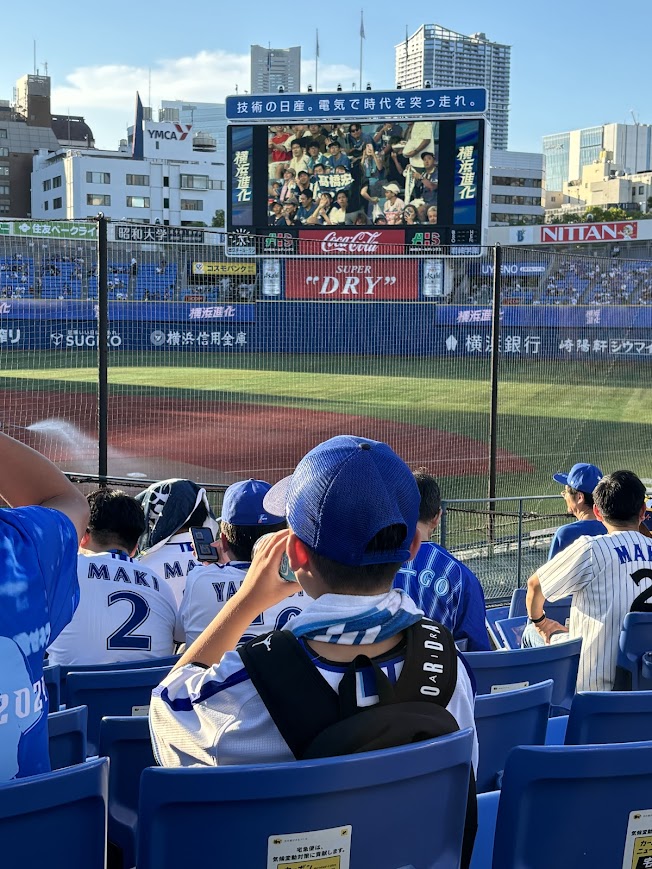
(341, 241)
(356, 280)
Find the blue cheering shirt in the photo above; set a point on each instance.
(39, 594)
(448, 593)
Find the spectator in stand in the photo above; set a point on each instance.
(303, 182)
(307, 206)
(431, 214)
(419, 135)
(338, 214)
(289, 187)
(337, 157)
(444, 588)
(381, 220)
(275, 211)
(410, 215)
(426, 180)
(372, 171)
(288, 217)
(393, 207)
(577, 493)
(315, 155)
(356, 140)
(320, 215)
(299, 160)
(279, 151)
(317, 137)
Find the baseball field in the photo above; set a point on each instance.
(224, 417)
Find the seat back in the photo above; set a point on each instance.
(107, 692)
(121, 665)
(585, 794)
(244, 806)
(127, 744)
(505, 720)
(519, 668)
(609, 716)
(511, 631)
(57, 819)
(633, 673)
(52, 679)
(67, 736)
(493, 615)
(558, 610)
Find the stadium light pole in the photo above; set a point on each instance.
(493, 415)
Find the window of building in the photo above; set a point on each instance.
(4, 190)
(3, 133)
(194, 182)
(166, 203)
(4, 208)
(98, 177)
(138, 180)
(641, 190)
(192, 204)
(46, 206)
(47, 184)
(57, 203)
(166, 181)
(56, 181)
(138, 201)
(4, 170)
(4, 152)
(98, 199)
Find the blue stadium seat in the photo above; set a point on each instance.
(52, 677)
(56, 820)
(108, 692)
(559, 610)
(609, 716)
(406, 807)
(505, 720)
(579, 798)
(122, 665)
(518, 668)
(67, 736)
(511, 631)
(127, 744)
(634, 662)
(493, 615)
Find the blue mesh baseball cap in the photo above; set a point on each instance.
(243, 504)
(582, 477)
(342, 493)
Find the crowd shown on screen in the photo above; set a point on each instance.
(353, 174)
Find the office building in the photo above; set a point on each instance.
(515, 188)
(206, 119)
(274, 68)
(566, 154)
(448, 59)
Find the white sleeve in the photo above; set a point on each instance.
(461, 706)
(569, 571)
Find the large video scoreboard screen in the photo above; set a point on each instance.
(420, 174)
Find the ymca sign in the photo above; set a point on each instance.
(178, 132)
(589, 232)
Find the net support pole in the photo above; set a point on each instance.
(493, 413)
(102, 347)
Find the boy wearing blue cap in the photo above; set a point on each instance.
(352, 507)
(244, 520)
(579, 484)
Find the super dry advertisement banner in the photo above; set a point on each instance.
(364, 280)
(341, 241)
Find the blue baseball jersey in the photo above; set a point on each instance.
(568, 534)
(40, 592)
(448, 593)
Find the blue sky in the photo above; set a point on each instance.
(574, 64)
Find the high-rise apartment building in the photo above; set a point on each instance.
(274, 68)
(565, 154)
(448, 59)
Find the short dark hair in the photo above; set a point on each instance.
(307, 192)
(588, 496)
(117, 520)
(241, 538)
(430, 495)
(620, 497)
(368, 578)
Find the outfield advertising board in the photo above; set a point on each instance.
(352, 280)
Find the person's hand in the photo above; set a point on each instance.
(548, 627)
(262, 580)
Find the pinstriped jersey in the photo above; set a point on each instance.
(608, 577)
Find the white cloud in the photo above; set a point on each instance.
(106, 94)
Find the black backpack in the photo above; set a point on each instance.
(316, 721)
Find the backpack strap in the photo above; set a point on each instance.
(299, 700)
(430, 668)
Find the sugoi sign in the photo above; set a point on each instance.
(351, 242)
(358, 280)
(589, 232)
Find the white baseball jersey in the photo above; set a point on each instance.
(605, 575)
(125, 613)
(173, 561)
(215, 717)
(210, 586)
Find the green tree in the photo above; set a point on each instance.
(218, 218)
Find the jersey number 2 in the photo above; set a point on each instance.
(640, 604)
(124, 639)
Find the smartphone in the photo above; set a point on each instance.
(202, 539)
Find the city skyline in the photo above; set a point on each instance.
(153, 55)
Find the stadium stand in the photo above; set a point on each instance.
(67, 736)
(634, 663)
(609, 716)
